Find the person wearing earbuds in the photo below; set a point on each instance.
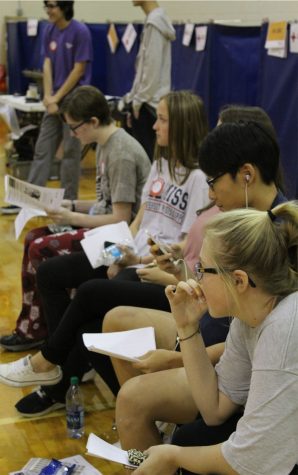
(121, 171)
(241, 176)
(230, 113)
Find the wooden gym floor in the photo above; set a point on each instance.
(22, 438)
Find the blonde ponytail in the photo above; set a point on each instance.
(263, 244)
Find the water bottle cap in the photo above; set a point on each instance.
(74, 380)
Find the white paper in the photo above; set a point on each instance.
(35, 465)
(9, 115)
(275, 44)
(94, 239)
(127, 345)
(201, 37)
(85, 467)
(274, 40)
(23, 217)
(32, 198)
(187, 34)
(99, 448)
(32, 25)
(19, 103)
(25, 195)
(277, 52)
(129, 37)
(294, 38)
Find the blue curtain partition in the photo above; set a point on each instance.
(233, 68)
(278, 95)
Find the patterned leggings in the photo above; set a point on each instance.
(41, 244)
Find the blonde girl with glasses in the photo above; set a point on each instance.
(259, 367)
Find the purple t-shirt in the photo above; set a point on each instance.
(65, 48)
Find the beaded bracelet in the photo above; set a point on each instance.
(179, 340)
(136, 457)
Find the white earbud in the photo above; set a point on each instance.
(247, 180)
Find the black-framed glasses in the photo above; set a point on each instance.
(73, 128)
(199, 271)
(210, 181)
(50, 6)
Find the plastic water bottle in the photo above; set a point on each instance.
(74, 410)
(111, 255)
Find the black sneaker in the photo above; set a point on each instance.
(37, 403)
(11, 209)
(15, 342)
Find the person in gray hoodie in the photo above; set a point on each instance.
(153, 73)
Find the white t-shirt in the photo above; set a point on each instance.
(170, 208)
(259, 369)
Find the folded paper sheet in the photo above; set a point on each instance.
(94, 239)
(128, 345)
(99, 448)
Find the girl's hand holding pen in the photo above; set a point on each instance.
(187, 302)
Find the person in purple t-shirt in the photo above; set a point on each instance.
(67, 64)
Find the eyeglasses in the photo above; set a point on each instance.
(50, 6)
(73, 128)
(210, 181)
(200, 271)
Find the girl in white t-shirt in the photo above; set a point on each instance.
(176, 187)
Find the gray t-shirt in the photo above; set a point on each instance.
(153, 64)
(259, 369)
(122, 167)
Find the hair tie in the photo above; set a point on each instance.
(271, 215)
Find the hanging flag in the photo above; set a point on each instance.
(201, 37)
(113, 38)
(32, 25)
(294, 38)
(276, 35)
(187, 35)
(129, 37)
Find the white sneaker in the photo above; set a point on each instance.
(166, 430)
(20, 374)
(88, 376)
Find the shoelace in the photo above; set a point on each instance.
(41, 393)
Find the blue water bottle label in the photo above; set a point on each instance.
(75, 419)
(113, 251)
